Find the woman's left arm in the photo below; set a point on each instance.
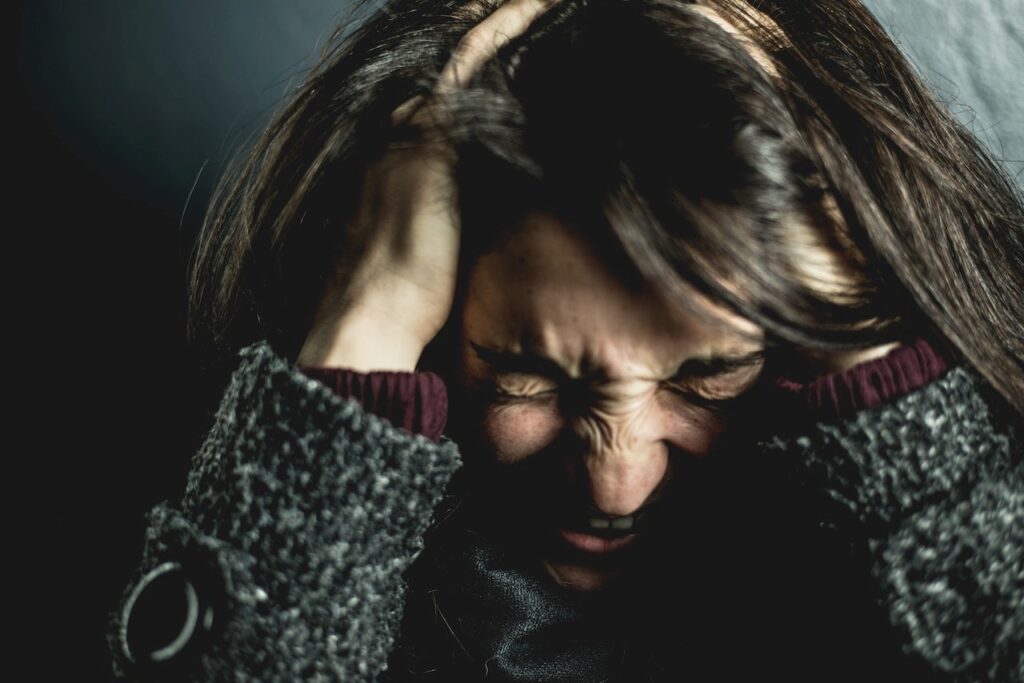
(932, 488)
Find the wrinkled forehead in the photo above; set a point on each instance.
(548, 268)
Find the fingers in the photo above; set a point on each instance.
(477, 46)
(482, 41)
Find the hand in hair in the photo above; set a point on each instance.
(380, 312)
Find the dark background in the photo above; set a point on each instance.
(124, 115)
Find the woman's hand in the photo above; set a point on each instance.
(400, 293)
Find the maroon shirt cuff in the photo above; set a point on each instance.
(414, 401)
(841, 394)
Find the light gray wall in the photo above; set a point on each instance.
(971, 53)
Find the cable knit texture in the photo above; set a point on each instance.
(936, 490)
(311, 509)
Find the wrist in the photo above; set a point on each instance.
(363, 342)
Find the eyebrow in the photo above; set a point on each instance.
(532, 363)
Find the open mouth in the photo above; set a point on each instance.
(561, 525)
(601, 542)
(608, 528)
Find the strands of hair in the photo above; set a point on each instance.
(692, 153)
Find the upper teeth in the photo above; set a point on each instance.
(619, 523)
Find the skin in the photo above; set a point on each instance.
(545, 290)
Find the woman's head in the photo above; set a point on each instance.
(583, 389)
(625, 168)
(681, 153)
(701, 134)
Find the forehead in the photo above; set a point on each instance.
(547, 287)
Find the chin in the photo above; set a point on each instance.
(580, 577)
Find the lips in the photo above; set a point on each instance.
(595, 544)
(561, 522)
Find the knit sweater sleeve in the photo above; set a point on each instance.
(917, 467)
(414, 401)
(283, 559)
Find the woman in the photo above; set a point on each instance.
(727, 309)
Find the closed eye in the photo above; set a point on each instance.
(503, 396)
(716, 403)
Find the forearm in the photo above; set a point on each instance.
(932, 494)
(300, 512)
(952, 579)
(365, 338)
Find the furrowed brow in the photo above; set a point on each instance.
(514, 362)
(530, 363)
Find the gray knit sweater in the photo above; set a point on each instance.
(302, 513)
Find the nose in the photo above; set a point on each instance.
(622, 481)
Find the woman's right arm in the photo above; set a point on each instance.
(283, 559)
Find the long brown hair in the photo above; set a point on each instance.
(649, 124)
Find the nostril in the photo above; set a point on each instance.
(614, 485)
(609, 498)
(596, 512)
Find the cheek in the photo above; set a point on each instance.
(517, 431)
(689, 429)
(698, 437)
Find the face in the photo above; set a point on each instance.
(584, 394)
